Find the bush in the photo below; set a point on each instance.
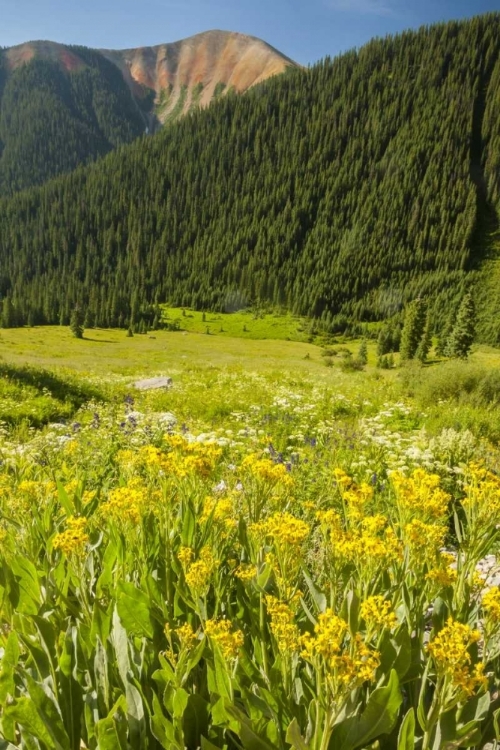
(452, 381)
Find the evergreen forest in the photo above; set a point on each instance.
(341, 192)
(52, 119)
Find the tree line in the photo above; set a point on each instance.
(341, 192)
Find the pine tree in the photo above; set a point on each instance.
(413, 329)
(363, 353)
(463, 333)
(426, 341)
(76, 323)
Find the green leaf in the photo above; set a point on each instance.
(219, 681)
(134, 612)
(248, 736)
(24, 712)
(294, 737)
(65, 500)
(379, 717)
(207, 745)
(49, 713)
(196, 720)
(111, 732)
(318, 598)
(406, 736)
(180, 702)
(29, 594)
(188, 526)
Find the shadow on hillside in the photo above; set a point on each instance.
(63, 390)
(98, 341)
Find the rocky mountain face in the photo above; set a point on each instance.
(62, 106)
(197, 70)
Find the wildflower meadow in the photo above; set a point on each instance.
(248, 561)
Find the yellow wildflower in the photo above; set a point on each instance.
(199, 573)
(267, 471)
(450, 652)
(377, 612)
(229, 641)
(74, 539)
(282, 626)
(125, 503)
(420, 495)
(491, 604)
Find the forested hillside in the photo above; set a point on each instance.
(63, 106)
(341, 192)
(53, 118)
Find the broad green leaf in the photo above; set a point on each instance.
(162, 728)
(24, 712)
(26, 577)
(379, 717)
(207, 745)
(318, 598)
(248, 736)
(49, 713)
(133, 608)
(196, 720)
(188, 526)
(294, 737)
(406, 736)
(219, 681)
(8, 664)
(180, 702)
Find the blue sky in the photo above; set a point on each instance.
(305, 30)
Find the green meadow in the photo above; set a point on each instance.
(279, 551)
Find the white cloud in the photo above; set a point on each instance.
(365, 7)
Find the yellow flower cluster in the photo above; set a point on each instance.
(347, 663)
(219, 510)
(356, 499)
(444, 574)
(229, 641)
(267, 471)
(424, 539)
(186, 556)
(491, 604)
(182, 459)
(186, 638)
(420, 495)
(126, 503)
(450, 652)
(341, 478)
(282, 626)
(482, 499)
(377, 613)
(246, 573)
(74, 539)
(375, 544)
(199, 573)
(283, 528)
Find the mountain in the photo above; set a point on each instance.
(195, 71)
(342, 192)
(63, 106)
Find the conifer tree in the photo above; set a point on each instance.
(413, 329)
(363, 353)
(76, 323)
(425, 344)
(462, 336)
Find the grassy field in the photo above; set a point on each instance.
(246, 324)
(274, 553)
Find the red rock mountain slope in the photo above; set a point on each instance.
(180, 75)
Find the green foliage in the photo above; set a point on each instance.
(281, 195)
(53, 120)
(76, 323)
(462, 335)
(413, 329)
